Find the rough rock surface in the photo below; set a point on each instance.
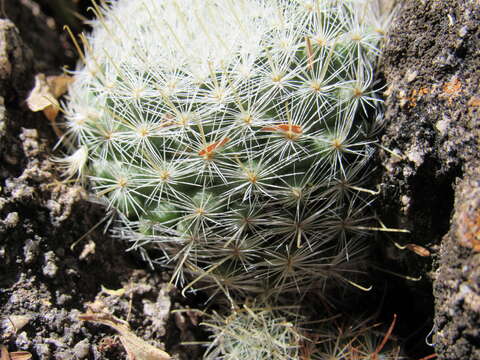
(457, 285)
(431, 147)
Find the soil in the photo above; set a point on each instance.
(432, 135)
(55, 259)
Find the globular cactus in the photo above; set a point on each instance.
(232, 135)
(279, 333)
(261, 333)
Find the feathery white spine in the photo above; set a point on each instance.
(217, 125)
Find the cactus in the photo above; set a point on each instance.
(272, 333)
(262, 333)
(353, 339)
(233, 136)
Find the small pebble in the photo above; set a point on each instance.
(50, 269)
(30, 250)
(43, 351)
(410, 76)
(11, 220)
(22, 341)
(82, 349)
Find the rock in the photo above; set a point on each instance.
(30, 250)
(43, 351)
(431, 64)
(457, 279)
(81, 349)
(11, 220)
(50, 267)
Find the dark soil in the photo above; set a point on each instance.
(432, 64)
(427, 165)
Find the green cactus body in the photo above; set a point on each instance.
(232, 135)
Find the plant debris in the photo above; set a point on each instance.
(44, 95)
(16, 355)
(137, 348)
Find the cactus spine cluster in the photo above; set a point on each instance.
(253, 333)
(232, 135)
(270, 334)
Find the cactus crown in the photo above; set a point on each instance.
(232, 135)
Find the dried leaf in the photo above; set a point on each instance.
(118, 292)
(20, 355)
(417, 249)
(4, 354)
(19, 321)
(51, 113)
(59, 84)
(137, 349)
(41, 96)
(16, 355)
(44, 96)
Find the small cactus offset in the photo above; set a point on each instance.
(254, 333)
(233, 136)
(279, 333)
